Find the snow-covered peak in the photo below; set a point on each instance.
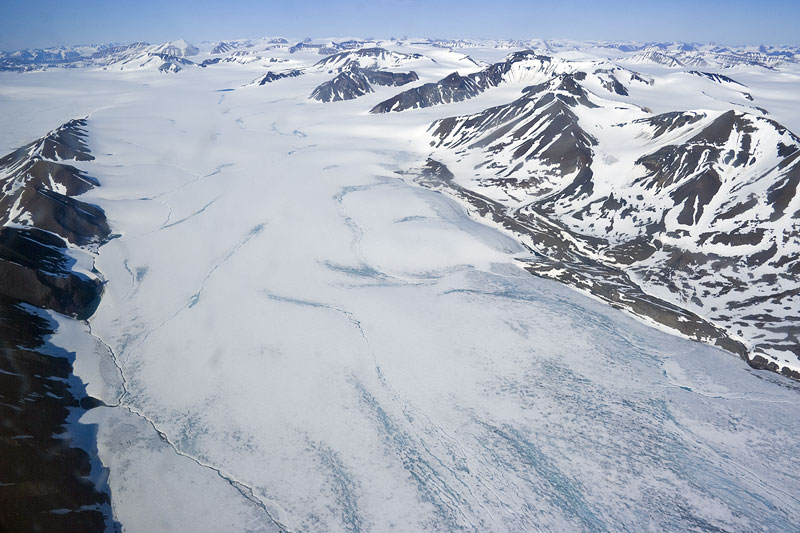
(657, 57)
(179, 48)
(367, 58)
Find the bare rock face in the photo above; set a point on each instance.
(354, 81)
(40, 216)
(457, 88)
(45, 482)
(38, 187)
(270, 76)
(540, 125)
(34, 269)
(704, 215)
(222, 48)
(42, 474)
(453, 88)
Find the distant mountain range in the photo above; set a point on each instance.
(174, 55)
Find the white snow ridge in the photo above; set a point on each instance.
(420, 285)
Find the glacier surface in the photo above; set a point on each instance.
(306, 340)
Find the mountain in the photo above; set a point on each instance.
(538, 129)
(368, 52)
(270, 76)
(699, 209)
(350, 44)
(45, 235)
(657, 57)
(223, 47)
(167, 57)
(38, 187)
(719, 78)
(179, 48)
(374, 58)
(354, 81)
(107, 54)
(41, 219)
(304, 46)
(676, 55)
(453, 88)
(519, 66)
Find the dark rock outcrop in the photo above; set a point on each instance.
(702, 216)
(719, 78)
(222, 47)
(47, 481)
(38, 187)
(354, 82)
(303, 46)
(34, 269)
(453, 88)
(456, 88)
(270, 76)
(540, 126)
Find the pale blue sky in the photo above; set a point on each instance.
(41, 23)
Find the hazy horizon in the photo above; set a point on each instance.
(47, 23)
(295, 39)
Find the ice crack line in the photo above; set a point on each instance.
(360, 233)
(133, 278)
(254, 231)
(113, 357)
(188, 182)
(243, 489)
(169, 214)
(195, 298)
(689, 436)
(347, 314)
(168, 224)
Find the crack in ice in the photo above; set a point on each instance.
(165, 225)
(242, 488)
(195, 298)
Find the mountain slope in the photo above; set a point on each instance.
(48, 482)
(699, 208)
(354, 81)
(38, 187)
(519, 66)
(537, 130)
(270, 76)
(375, 58)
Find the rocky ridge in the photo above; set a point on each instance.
(48, 481)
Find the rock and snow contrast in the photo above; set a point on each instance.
(695, 207)
(400, 285)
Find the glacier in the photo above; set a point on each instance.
(295, 335)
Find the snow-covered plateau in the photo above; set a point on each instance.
(418, 285)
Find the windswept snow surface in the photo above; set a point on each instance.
(310, 342)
